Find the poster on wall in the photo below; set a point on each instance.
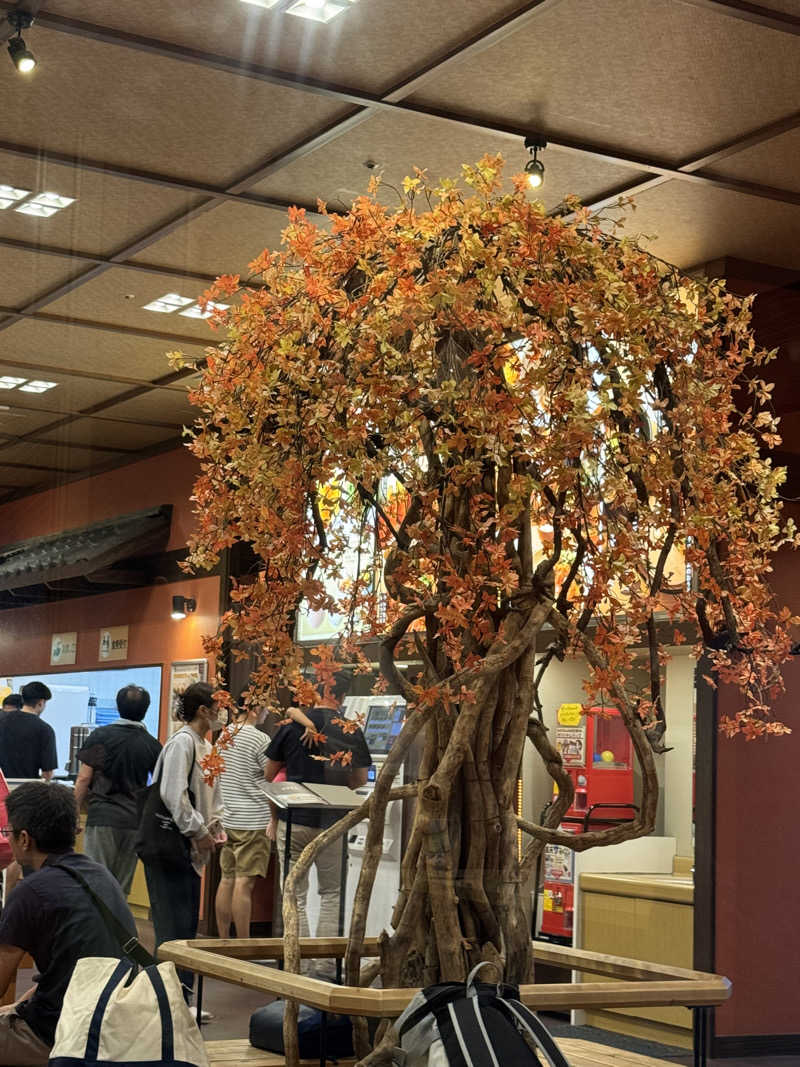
(181, 676)
(63, 648)
(113, 643)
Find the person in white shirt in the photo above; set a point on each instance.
(248, 821)
(174, 888)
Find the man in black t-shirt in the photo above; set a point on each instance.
(50, 916)
(288, 751)
(28, 745)
(116, 761)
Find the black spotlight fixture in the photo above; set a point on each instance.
(534, 168)
(21, 56)
(183, 606)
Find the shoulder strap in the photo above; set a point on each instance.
(536, 1030)
(129, 943)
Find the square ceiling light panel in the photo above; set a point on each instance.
(197, 312)
(9, 195)
(37, 386)
(43, 205)
(7, 382)
(318, 10)
(261, 3)
(168, 303)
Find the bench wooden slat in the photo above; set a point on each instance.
(580, 1054)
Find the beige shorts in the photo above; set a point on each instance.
(245, 854)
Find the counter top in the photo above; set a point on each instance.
(676, 888)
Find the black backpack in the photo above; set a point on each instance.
(473, 1024)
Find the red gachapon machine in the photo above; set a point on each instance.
(597, 752)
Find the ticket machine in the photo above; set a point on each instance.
(384, 720)
(597, 753)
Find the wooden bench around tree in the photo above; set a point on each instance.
(579, 1054)
(634, 984)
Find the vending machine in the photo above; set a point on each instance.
(597, 753)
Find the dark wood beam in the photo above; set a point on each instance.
(758, 14)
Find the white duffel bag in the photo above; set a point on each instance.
(113, 1015)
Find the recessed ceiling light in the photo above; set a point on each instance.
(9, 195)
(36, 386)
(53, 200)
(196, 312)
(261, 3)
(317, 10)
(39, 210)
(11, 383)
(168, 303)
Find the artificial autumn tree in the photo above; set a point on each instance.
(513, 422)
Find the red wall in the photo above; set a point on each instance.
(163, 479)
(153, 637)
(758, 859)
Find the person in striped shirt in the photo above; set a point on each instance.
(248, 819)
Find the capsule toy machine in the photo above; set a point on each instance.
(597, 753)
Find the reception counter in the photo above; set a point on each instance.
(646, 917)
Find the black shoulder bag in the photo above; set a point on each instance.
(159, 840)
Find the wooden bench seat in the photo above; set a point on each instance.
(579, 1054)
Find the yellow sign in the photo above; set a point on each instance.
(113, 643)
(570, 714)
(63, 648)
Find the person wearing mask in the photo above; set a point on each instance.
(248, 817)
(288, 752)
(13, 702)
(116, 761)
(49, 915)
(174, 888)
(28, 745)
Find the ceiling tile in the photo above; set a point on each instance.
(772, 163)
(17, 421)
(117, 298)
(164, 407)
(53, 456)
(636, 74)
(693, 224)
(78, 348)
(108, 212)
(153, 113)
(122, 435)
(27, 275)
(70, 394)
(13, 477)
(222, 241)
(372, 45)
(400, 142)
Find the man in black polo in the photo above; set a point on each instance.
(287, 750)
(50, 916)
(115, 763)
(28, 745)
(13, 702)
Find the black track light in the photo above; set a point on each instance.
(21, 56)
(183, 606)
(534, 168)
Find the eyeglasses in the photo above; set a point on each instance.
(8, 831)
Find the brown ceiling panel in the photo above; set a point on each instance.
(222, 241)
(371, 46)
(398, 143)
(775, 163)
(117, 298)
(665, 79)
(26, 275)
(695, 225)
(107, 213)
(18, 421)
(69, 394)
(51, 344)
(20, 478)
(100, 432)
(54, 456)
(152, 113)
(160, 406)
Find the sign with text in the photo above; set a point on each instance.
(113, 643)
(63, 648)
